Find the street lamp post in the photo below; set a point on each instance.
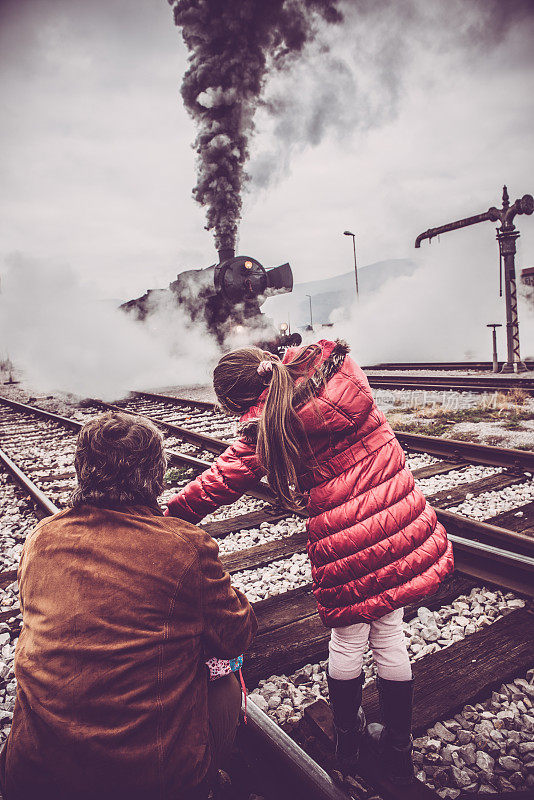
(495, 325)
(349, 233)
(311, 314)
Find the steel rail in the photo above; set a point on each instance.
(260, 492)
(460, 450)
(216, 445)
(484, 532)
(460, 381)
(75, 425)
(479, 366)
(209, 443)
(28, 485)
(456, 449)
(175, 457)
(468, 451)
(410, 386)
(35, 411)
(476, 556)
(318, 783)
(507, 568)
(471, 452)
(205, 405)
(501, 567)
(179, 401)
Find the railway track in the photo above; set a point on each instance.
(444, 366)
(454, 383)
(194, 416)
(51, 443)
(290, 633)
(509, 469)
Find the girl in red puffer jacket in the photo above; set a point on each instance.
(311, 425)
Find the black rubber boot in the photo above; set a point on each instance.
(349, 719)
(393, 740)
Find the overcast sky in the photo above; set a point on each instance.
(433, 113)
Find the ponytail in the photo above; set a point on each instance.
(282, 444)
(240, 378)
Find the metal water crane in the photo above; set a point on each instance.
(506, 236)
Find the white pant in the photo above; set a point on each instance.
(386, 639)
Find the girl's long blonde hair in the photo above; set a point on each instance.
(239, 381)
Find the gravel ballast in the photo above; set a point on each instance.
(487, 747)
(16, 521)
(418, 460)
(267, 532)
(457, 477)
(276, 578)
(8, 640)
(489, 504)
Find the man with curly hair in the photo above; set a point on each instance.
(121, 608)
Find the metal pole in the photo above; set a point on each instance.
(495, 358)
(350, 233)
(494, 326)
(355, 266)
(506, 239)
(311, 314)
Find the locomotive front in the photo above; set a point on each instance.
(238, 279)
(225, 297)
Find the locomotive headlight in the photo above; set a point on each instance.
(283, 327)
(248, 264)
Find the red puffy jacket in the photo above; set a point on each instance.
(373, 541)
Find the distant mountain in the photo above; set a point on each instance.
(339, 292)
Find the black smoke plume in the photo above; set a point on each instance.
(233, 44)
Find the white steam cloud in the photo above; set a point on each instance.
(436, 314)
(65, 337)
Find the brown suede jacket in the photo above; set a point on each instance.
(121, 608)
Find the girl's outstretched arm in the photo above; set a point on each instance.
(235, 471)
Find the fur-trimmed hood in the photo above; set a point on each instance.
(331, 359)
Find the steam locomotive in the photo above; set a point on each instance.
(223, 296)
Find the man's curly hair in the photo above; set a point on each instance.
(119, 461)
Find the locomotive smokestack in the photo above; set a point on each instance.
(225, 253)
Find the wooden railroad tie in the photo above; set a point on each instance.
(291, 633)
(520, 520)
